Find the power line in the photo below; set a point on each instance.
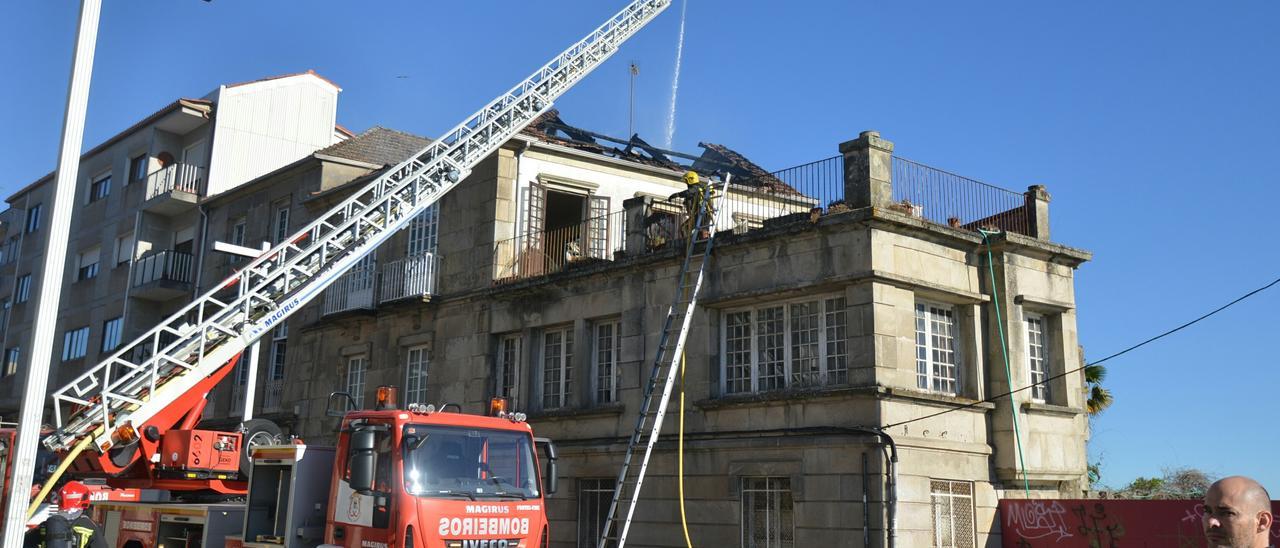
(1117, 354)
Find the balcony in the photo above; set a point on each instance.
(174, 189)
(415, 277)
(162, 276)
(353, 290)
(272, 396)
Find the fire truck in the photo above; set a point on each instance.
(418, 476)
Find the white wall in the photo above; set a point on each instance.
(261, 126)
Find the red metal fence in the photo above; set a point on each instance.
(1106, 523)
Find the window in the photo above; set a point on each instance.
(356, 366)
(100, 187)
(424, 232)
(281, 227)
(124, 249)
(1037, 358)
(137, 168)
(594, 496)
(11, 357)
(604, 361)
(952, 513)
(87, 264)
(508, 369)
(236, 237)
(767, 513)
(790, 345)
(23, 290)
(75, 343)
(937, 355)
(279, 340)
(557, 367)
(415, 383)
(111, 333)
(33, 218)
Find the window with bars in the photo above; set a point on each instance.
(768, 513)
(356, 366)
(508, 368)
(557, 367)
(415, 382)
(952, 503)
(794, 344)
(1037, 357)
(594, 496)
(100, 188)
(22, 290)
(937, 348)
(111, 330)
(608, 341)
(75, 343)
(11, 356)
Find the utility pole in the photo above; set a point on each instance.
(55, 256)
(631, 103)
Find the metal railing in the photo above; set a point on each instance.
(181, 177)
(956, 201)
(167, 265)
(272, 395)
(546, 252)
(413, 276)
(353, 290)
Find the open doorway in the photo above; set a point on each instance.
(562, 235)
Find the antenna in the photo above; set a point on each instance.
(631, 106)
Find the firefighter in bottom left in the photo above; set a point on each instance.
(69, 527)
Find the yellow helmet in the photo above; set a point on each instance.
(690, 178)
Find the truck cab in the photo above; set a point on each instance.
(425, 477)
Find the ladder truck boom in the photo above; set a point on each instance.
(114, 401)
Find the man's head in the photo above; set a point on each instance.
(1237, 513)
(73, 496)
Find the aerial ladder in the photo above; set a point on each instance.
(667, 359)
(158, 383)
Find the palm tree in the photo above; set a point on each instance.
(1099, 397)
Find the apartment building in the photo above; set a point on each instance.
(137, 224)
(859, 292)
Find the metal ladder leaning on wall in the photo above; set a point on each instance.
(666, 367)
(158, 369)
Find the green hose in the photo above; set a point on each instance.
(1008, 373)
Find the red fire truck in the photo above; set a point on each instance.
(416, 477)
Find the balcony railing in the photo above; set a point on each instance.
(353, 290)
(168, 265)
(547, 252)
(410, 277)
(179, 177)
(272, 395)
(948, 199)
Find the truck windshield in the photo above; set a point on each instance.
(448, 461)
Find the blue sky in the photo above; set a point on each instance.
(1153, 125)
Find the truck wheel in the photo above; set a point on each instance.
(256, 432)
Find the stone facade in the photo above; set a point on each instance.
(818, 326)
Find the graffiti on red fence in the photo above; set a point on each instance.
(1105, 523)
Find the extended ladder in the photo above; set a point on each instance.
(158, 369)
(666, 367)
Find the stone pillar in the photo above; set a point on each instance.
(1037, 212)
(868, 171)
(634, 211)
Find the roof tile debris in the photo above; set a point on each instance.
(378, 145)
(714, 158)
